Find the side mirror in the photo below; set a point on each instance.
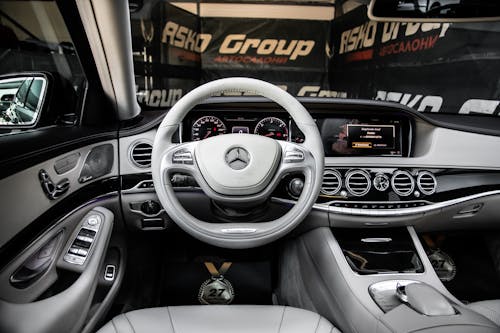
(22, 98)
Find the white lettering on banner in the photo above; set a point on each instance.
(391, 30)
(479, 106)
(419, 102)
(434, 103)
(159, 98)
(240, 44)
(363, 36)
(185, 38)
(316, 91)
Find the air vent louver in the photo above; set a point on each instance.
(358, 182)
(332, 182)
(426, 182)
(402, 183)
(141, 154)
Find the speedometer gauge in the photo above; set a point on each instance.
(273, 128)
(206, 127)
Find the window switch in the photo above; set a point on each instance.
(73, 250)
(109, 273)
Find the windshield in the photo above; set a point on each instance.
(315, 50)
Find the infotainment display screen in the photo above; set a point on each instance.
(361, 136)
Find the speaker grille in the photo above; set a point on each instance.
(141, 154)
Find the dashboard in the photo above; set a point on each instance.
(385, 165)
(343, 134)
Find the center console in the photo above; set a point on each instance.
(375, 280)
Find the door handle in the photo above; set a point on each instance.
(36, 265)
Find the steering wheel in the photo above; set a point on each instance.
(237, 169)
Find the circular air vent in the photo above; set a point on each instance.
(140, 154)
(332, 182)
(358, 182)
(402, 183)
(426, 182)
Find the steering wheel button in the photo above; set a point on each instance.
(182, 156)
(294, 156)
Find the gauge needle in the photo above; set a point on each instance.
(269, 134)
(207, 135)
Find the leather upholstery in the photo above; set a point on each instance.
(219, 319)
(489, 309)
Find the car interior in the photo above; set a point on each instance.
(249, 166)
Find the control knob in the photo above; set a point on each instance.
(150, 207)
(295, 187)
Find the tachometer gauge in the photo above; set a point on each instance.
(273, 128)
(206, 127)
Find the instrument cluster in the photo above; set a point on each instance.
(273, 126)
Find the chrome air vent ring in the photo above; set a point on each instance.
(358, 182)
(402, 183)
(140, 154)
(332, 182)
(426, 182)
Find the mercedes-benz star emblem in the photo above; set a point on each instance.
(237, 158)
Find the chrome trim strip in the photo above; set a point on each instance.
(326, 207)
(137, 188)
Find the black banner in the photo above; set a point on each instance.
(177, 51)
(430, 67)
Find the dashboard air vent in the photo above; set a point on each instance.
(402, 183)
(358, 182)
(141, 154)
(426, 182)
(332, 182)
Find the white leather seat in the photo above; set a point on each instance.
(489, 309)
(219, 319)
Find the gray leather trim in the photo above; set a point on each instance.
(427, 300)
(219, 319)
(314, 274)
(489, 309)
(66, 310)
(23, 199)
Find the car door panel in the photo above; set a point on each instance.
(23, 199)
(63, 310)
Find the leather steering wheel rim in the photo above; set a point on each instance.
(169, 157)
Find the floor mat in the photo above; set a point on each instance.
(166, 269)
(476, 278)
